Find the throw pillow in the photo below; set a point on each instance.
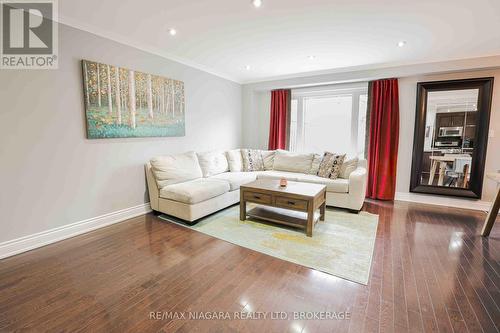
(173, 169)
(268, 158)
(315, 164)
(330, 165)
(234, 159)
(213, 163)
(252, 160)
(347, 167)
(292, 162)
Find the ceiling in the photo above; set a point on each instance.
(276, 40)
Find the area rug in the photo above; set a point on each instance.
(342, 245)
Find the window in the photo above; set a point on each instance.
(329, 118)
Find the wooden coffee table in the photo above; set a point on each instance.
(294, 205)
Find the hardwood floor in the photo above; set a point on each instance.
(431, 272)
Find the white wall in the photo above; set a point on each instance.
(51, 175)
(256, 97)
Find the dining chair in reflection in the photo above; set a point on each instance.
(458, 172)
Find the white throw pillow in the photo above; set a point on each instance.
(234, 159)
(268, 158)
(317, 158)
(173, 169)
(347, 167)
(292, 162)
(213, 163)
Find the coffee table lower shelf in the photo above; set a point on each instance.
(282, 216)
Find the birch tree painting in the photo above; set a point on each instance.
(121, 103)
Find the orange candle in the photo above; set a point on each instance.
(283, 182)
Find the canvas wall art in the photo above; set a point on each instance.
(122, 103)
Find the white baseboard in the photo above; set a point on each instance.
(30, 242)
(444, 201)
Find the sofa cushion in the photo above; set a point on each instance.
(292, 162)
(213, 163)
(234, 160)
(275, 174)
(347, 167)
(172, 169)
(195, 191)
(252, 160)
(330, 165)
(236, 179)
(338, 185)
(268, 158)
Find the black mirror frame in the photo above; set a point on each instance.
(485, 86)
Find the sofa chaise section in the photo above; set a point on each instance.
(190, 200)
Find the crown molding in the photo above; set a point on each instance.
(376, 71)
(369, 71)
(143, 47)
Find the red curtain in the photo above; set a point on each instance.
(383, 139)
(280, 103)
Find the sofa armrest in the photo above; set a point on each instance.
(154, 191)
(358, 180)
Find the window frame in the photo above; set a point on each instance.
(301, 95)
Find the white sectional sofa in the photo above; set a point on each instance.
(193, 185)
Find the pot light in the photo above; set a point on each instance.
(257, 3)
(247, 67)
(401, 43)
(172, 32)
(311, 57)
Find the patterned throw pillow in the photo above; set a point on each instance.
(315, 164)
(330, 165)
(252, 160)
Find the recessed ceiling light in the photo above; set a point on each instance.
(311, 57)
(401, 43)
(257, 3)
(247, 67)
(172, 32)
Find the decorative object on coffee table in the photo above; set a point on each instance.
(294, 205)
(283, 182)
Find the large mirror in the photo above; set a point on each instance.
(451, 134)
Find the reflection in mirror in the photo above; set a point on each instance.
(450, 132)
